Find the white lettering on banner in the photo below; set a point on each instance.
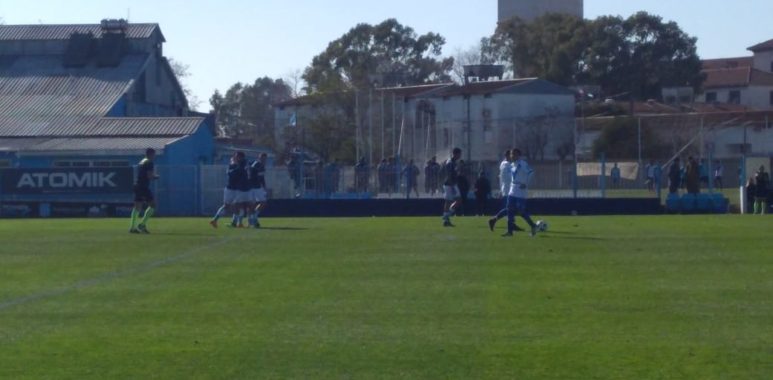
(66, 180)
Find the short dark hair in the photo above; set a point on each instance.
(507, 153)
(457, 151)
(150, 152)
(516, 151)
(240, 154)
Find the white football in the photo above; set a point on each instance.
(542, 226)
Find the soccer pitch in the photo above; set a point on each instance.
(596, 297)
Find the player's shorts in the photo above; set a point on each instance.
(451, 193)
(230, 196)
(516, 204)
(258, 195)
(143, 194)
(244, 196)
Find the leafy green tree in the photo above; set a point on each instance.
(619, 140)
(387, 54)
(639, 55)
(549, 48)
(246, 110)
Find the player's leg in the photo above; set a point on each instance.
(260, 198)
(223, 210)
(149, 211)
(511, 212)
(521, 207)
(136, 209)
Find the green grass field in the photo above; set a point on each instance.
(596, 298)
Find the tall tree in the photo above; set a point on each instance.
(549, 48)
(246, 110)
(639, 55)
(368, 56)
(386, 54)
(183, 72)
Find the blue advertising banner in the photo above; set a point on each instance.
(66, 181)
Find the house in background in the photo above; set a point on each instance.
(94, 97)
(744, 81)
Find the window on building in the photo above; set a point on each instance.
(5, 163)
(711, 97)
(734, 97)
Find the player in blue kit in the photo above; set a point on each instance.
(516, 203)
(258, 194)
(232, 195)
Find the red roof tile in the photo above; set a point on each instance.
(727, 63)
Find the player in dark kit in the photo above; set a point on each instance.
(143, 197)
(258, 195)
(232, 195)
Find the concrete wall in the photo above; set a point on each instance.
(529, 10)
(763, 61)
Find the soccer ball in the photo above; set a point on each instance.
(542, 226)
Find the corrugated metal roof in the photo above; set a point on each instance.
(63, 32)
(40, 97)
(84, 144)
(151, 126)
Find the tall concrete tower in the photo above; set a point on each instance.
(528, 10)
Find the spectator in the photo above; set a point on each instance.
(674, 177)
(411, 174)
(615, 175)
(432, 177)
(762, 182)
(751, 194)
(361, 176)
(650, 170)
(482, 193)
(294, 169)
(692, 174)
(319, 179)
(658, 175)
(383, 169)
(464, 187)
(718, 169)
(704, 173)
(391, 177)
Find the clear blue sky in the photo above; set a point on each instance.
(227, 41)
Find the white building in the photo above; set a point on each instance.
(745, 81)
(420, 122)
(528, 10)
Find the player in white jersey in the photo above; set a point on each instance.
(505, 179)
(519, 190)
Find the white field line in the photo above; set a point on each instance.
(111, 276)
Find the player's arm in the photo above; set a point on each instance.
(152, 173)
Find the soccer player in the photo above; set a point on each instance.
(258, 193)
(450, 188)
(516, 204)
(231, 197)
(505, 179)
(146, 173)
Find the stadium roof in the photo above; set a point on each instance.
(40, 97)
(63, 32)
(113, 145)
